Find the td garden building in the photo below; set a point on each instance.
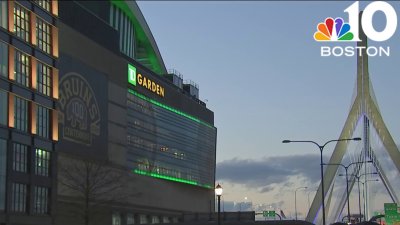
(135, 145)
(119, 106)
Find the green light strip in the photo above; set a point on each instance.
(156, 175)
(140, 34)
(154, 102)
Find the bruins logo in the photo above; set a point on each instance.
(79, 112)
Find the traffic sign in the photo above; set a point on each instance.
(392, 216)
(269, 213)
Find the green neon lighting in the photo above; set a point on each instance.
(141, 36)
(132, 74)
(159, 176)
(154, 102)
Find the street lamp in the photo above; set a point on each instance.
(363, 184)
(295, 200)
(321, 148)
(358, 183)
(218, 192)
(347, 181)
(359, 191)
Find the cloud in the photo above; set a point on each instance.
(268, 206)
(285, 172)
(267, 172)
(266, 189)
(236, 206)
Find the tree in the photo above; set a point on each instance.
(90, 184)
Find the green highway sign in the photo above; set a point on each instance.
(392, 216)
(270, 213)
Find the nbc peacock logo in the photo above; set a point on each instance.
(338, 31)
(333, 30)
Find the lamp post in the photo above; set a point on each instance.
(321, 148)
(347, 181)
(218, 192)
(359, 191)
(295, 200)
(363, 183)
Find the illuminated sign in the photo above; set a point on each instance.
(150, 85)
(131, 74)
(135, 78)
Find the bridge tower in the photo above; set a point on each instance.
(364, 109)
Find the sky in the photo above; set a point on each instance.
(260, 71)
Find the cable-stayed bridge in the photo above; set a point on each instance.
(375, 158)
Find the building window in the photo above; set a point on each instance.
(3, 107)
(20, 158)
(45, 4)
(41, 200)
(43, 121)
(21, 114)
(3, 172)
(3, 14)
(43, 35)
(22, 64)
(166, 219)
(143, 219)
(3, 58)
(130, 219)
(121, 22)
(116, 219)
(155, 219)
(42, 162)
(19, 197)
(21, 22)
(43, 78)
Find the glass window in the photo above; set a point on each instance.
(166, 219)
(43, 78)
(3, 172)
(21, 22)
(3, 59)
(155, 219)
(130, 219)
(42, 162)
(187, 155)
(3, 14)
(116, 219)
(121, 22)
(3, 107)
(45, 4)
(20, 158)
(42, 121)
(143, 219)
(41, 200)
(19, 197)
(21, 114)
(22, 65)
(43, 35)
